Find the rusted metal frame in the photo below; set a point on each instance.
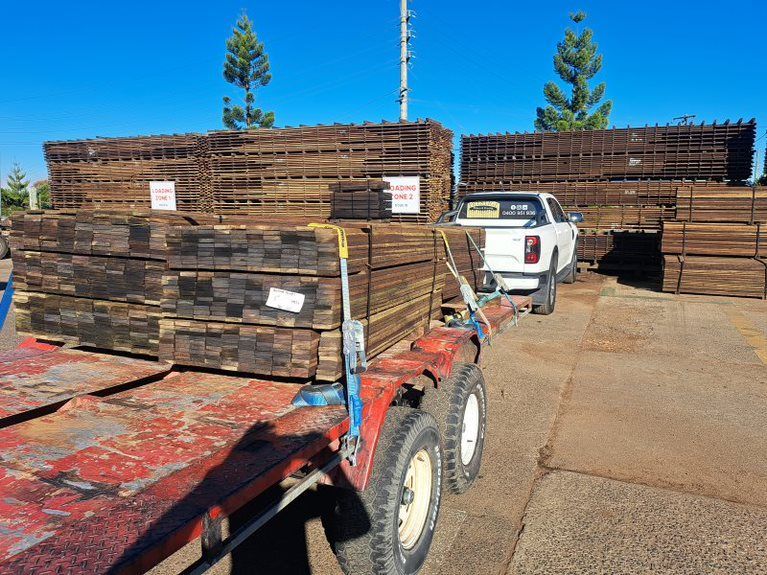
(215, 549)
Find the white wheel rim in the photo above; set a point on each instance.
(416, 498)
(470, 429)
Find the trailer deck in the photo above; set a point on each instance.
(118, 475)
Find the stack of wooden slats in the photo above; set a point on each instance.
(714, 151)
(621, 179)
(266, 298)
(92, 278)
(722, 204)
(289, 171)
(360, 200)
(713, 257)
(468, 261)
(115, 172)
(283, 172)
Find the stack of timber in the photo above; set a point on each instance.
(712, 239)
(728, 276)
(715, 258)
(622, 180)
(722, 204)
(363, 200)
(266, 299)
(92, 278)
(289, 171)
(714, 151)
(284, 172)
(116, 172)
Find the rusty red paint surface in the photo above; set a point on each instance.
(32, 378)
(116, 484)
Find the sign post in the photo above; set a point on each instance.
(163, 195)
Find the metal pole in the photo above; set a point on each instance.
(403, 59)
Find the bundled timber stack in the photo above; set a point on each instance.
(622, 180)
(266, 299)
(116, 172)
(289, 171)
(742, 277)
(360, 200)
(92, 278)
(722, 204)
(715, 258)
(285, 172)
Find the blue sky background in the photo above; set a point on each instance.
(83, 69)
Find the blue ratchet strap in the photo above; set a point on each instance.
(5, 302)
(355, 360)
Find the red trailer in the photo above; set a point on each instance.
(110, 464)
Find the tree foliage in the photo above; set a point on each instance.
(43, 188)
(576, 62)
(247, 67)
(15, 195)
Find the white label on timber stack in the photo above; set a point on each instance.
(635, 161)
(405, 194)
(163, 195)
(286, 300)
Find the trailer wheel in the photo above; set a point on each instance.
(388, 528)
(4, 247)
(460, 407)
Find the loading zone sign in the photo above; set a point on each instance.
(405, 194)
(163, 195)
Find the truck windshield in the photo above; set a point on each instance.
(514, 212)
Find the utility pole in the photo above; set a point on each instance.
(404, 58)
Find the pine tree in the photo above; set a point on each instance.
(576, 62)
(15, 195)
(247, 67)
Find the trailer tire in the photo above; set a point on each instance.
(460, 407)
(4, 247)
(375, 531)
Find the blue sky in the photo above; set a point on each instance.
(83, 69)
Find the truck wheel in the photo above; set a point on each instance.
(572, 273)
(460, 407)
(4, 247)
(551, 291)
(388, 528)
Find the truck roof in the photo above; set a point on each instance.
(496, 194)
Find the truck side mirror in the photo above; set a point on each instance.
(575, 217)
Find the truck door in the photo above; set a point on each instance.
(565, 233)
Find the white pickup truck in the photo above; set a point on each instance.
(530, 241)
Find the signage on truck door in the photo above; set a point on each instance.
(163, 195)
(405, 194)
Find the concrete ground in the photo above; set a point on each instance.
(628, 435)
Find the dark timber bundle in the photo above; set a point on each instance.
(96, 277)
(289, 171)
(109, 325)
(714, 239)
(735, 276)
(92, 277)
(716, 151)
(367, 200)
(724, 204)
(265, 298)
(625, 217)
(115, 172)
